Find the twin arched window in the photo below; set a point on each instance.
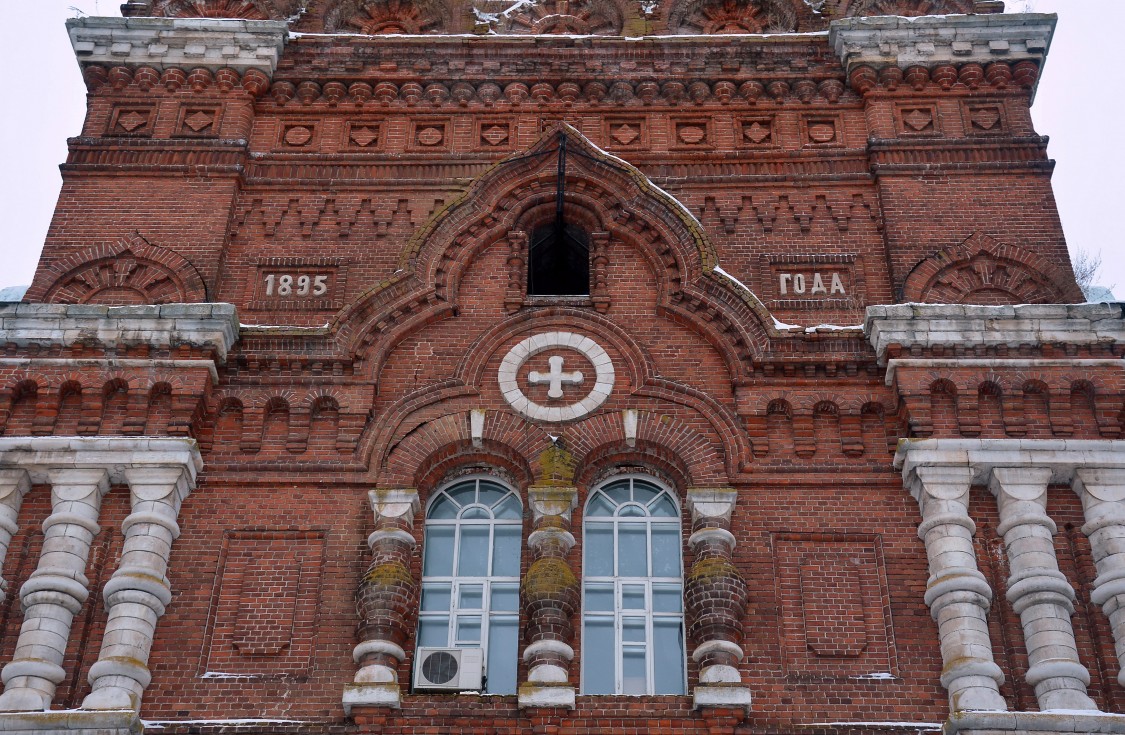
(632, 616)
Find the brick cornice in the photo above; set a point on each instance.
(161, 43)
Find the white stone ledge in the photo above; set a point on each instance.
(882, 41)
(207, 326)
(32, 363)
(41, 454)
(209, 43)
(1061, 456)
(532, 695)
(930, 325)
(1028, 722)
(72, 722)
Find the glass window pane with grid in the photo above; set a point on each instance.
(470, 576)
(632, 607)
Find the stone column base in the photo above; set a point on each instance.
(730, 697)
(537, 695)
(374, 694)
(73, 722)
(1019, 723)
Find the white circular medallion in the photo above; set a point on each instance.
(558, 379)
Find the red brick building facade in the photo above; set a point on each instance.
(560, 366)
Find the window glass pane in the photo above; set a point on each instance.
(510, 509)
(632, 511)
(599, 597)
(468, 629)
(473, 559)
(600, 507)
(464, 494)
(665, 551)
(435, 597)
(597, 656)
(599, 550)
(476, 514)
(506, 555)
(503, 639)
(634, 678)
(632, 550)
(643, 492)
(439, 551)
(618, 492)
(668, 650)
(633, 597)
(471, 596)
(434, 632)
(664, 508)
(443, 507)
(490, 493)
(633, 630)
(505, 597)
(667, 598)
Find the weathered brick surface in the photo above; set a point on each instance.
(368, 166)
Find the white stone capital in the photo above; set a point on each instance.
(396, 503)
(548, 500)
(711, 502)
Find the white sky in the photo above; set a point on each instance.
(1078, 107)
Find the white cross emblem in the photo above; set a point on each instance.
(556, 377)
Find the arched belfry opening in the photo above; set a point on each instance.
(558, 262)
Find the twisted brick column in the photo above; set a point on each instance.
(56, 590)
(550, 592)
(1038, 591)
(1103, 499)
(14, 485)
(385, 602)
(139, 591)
(957, 593)
(716, 599)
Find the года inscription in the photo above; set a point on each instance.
(561, 379)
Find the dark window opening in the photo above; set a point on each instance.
(559, 262)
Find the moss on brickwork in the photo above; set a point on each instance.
(548, 577)
(556, 467)
(390, 574)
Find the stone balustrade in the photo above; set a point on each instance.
(80, 471)
(939, 473)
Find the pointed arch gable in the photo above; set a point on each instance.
(612, 196)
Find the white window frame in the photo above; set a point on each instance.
(457, 582)
(619, 613)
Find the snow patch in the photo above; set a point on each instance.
(911, 725)
(159, 724)
(872, 677)
(834, 328)
(648, 7)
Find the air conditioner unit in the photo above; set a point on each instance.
(449, 669)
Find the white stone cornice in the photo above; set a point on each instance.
(930, 325)
(209, 43)
(206, 326)
(1062, 456)
(890, 40)
(39, 455)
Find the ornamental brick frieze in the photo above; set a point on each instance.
(244, 9)
(534, 93)
(995, 76)
(118, 80)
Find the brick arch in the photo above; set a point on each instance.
(379, 17)
(243, 9)
(982, 270)
(612, 194)
(909, 8)
(732, 16)
(131, 271)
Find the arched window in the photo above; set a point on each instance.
(559, 261)
(470, 575)
(632, 601)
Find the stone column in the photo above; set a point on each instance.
(56, 590)
(1103, 499)
(551, 595)
(957, 593)
(385, 601)
(14, 485)
(716, 598)
(138, 592)
(1038, 591)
